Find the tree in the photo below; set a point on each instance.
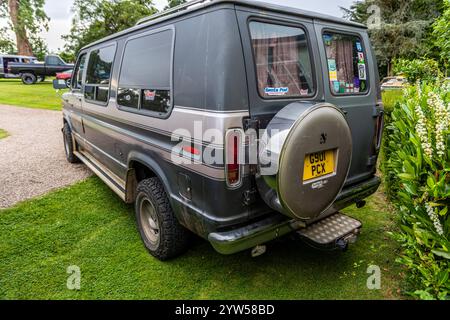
(441, 32)
(95, 19)
(6, 44)
(405, 28)
(174, 3)
(27, 18)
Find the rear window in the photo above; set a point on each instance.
(347, 63)
(144, 82)
(283, 62)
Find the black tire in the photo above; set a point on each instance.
(28, 78)
(68, 82)
(68, 145)
(40, 78)
(162, 234)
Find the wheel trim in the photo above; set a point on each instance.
(149, 221)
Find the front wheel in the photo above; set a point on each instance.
(162, 234)
(28, 78)
(68, 144)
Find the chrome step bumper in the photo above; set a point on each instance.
(251, 235)
(333, 232)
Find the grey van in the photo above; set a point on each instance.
(235, 120)
(6, 59)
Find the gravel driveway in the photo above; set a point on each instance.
(32, 160)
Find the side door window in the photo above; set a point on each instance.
(78, 73)
(98, 74)
(145, 74)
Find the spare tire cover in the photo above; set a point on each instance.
(302, 132)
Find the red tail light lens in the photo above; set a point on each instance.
(232, 156)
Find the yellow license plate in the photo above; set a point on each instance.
(318, 164)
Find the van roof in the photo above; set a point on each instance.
(198, 5)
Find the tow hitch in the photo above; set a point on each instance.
(334, 232)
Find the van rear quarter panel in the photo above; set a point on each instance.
(210, 87)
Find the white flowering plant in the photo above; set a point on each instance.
(418, 149)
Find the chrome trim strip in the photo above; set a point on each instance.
(101, 151)
(97, 168)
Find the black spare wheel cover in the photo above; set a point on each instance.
(310, 130)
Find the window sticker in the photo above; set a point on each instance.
(332, 69)
(361, 57)
(149, 95)
(336, 86)
(359, 46)
(281, 91)
(362, 71)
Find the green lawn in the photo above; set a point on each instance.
(3, 134)
(40, 95)
(390, 98)
(88, 226)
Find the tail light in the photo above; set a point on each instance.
(233, 164)
(379, 124)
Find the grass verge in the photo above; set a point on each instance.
(40, 95)
(88, 226)
(3, 134)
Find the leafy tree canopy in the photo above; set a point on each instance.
(441, 33)
(95, 19)
(405, 28)
(174, 3)
(27, 19)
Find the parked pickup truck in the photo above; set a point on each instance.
(30, 73)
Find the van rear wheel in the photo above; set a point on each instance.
(162, 234)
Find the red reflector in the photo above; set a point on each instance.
(191, 150)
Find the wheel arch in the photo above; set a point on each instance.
(140, 167)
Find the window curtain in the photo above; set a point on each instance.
(344, 60)
(277, 62)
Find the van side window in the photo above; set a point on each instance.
(78, 72)
(282, 59)
(98, 74)
(144, 82)
(347, 63)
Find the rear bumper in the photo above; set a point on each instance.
(265, 230)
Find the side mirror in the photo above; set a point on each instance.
(59, 84)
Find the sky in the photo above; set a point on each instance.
(60, 15)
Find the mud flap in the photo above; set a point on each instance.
(333, 232)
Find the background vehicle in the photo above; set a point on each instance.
(397, 82)
(6, 59)
(66, 76)
(32, 72)
(276, 71)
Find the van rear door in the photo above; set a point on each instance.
(350, 82)
(281, 67)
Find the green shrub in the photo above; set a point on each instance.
(418, 141)
(418, 69)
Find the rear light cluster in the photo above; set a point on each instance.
(233, 156)
(379, 124)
